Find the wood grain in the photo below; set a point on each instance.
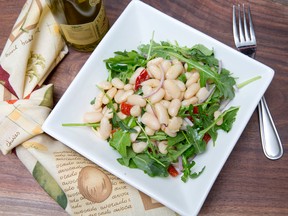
(249, 183)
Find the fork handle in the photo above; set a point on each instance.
(271, 142)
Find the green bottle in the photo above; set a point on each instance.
(83, 23)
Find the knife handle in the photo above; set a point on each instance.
(271, 142)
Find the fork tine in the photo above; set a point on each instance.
(235, 30)
(245, 23)
(252, 32)
(240, 25)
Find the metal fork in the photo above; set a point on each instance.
(245, 42)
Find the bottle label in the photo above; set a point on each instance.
(94, 2)
(87, 33)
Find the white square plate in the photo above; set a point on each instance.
(127, 33)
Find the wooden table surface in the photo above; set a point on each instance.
(249, 183)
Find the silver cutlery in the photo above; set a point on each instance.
(245, 42)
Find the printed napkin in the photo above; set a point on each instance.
(79, 186)
(33, 49)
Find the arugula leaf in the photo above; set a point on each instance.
(150, 166)
(229, 118)
(127, 161)
(187, 166)
(196, 175)
(125, 125)
(123, 64)
(120, 141)
(203, 49)
(196, 140)
(179, 149)
(159, 136)
(177, 139)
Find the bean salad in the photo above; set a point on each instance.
(161, 106)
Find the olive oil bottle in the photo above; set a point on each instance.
(83, 23)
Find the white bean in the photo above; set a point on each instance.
(151, 121)
(98, 101)
(105, 128)
(150, 109)
(117, 83)
(149, 131)
(104, 110)
(180, 84)
(105, 85)
(190, 101)
(158, 96)
(175, 124)
(188, 75)
(118, 95)
(165, 103)
(174, 71)
(136, 100)
(155, 61)
(167, 96)
(135, 111)
(135, 75)
(139, 147)
(128, 87)
(165, 65)
(155, 71)
(98, 110)
(109, 95)
(151, 82)
(169, 132)
(181, 96)
(121, 115)
(216, 115)
(202, 94)
(174, 107)
(172, 89)
(192, 90)
(146, 90)
(92, 117)
(109, 113)
(193, 78)
(176, 61)
(133, 136)
(162, 146)
(161, 114)
(123, 97)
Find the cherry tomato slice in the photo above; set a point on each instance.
(125, 108)
(141, 78)
(172, 171)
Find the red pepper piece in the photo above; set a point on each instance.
(125, 108)
(172, 171)
(195, 110)
(206, 137)
(141, 78)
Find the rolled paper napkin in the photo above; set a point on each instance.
(33, 49)
(79, 186)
